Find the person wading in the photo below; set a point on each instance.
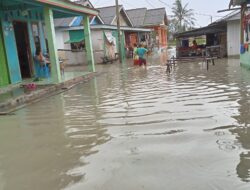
(141, 51)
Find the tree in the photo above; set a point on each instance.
(184, 17)
(172, 28)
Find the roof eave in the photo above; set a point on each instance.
(69, 6)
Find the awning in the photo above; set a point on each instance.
(75, 36)
(210, 29)
(75, 40)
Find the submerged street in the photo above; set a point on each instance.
(133, 128)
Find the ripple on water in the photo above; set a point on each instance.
(135, 122)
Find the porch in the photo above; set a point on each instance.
(25, 26)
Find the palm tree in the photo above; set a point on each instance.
(184, 16)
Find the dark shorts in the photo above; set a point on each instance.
(142, 61)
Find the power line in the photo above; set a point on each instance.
(97, 1)
(165, 4)
(150, 4)
(128, 4)
(200, 14)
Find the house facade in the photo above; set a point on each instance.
(26, 25)
(226, 28)
(104, 35)
(233, 34)
(244, 30)
(210, 41)
(154, 19)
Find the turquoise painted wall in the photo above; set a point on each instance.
(245, 59)
(42, 37)
(115, 34)
(4, 74)
(7, 17)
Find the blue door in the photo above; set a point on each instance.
(11, 52)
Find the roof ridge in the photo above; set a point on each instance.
(157, 8)
(150, 10)
(107, 7)
(136, 9)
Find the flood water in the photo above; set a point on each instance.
(135, 129)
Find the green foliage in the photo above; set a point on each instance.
(183, 17)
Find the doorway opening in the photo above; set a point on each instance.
(23, 48)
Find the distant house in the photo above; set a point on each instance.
(108, 14)
(222, 36)
(133, 34)
(155, 19)
(104, 35)
(233, 33)
(210, 40)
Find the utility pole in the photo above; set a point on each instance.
(211, 17)
(118, 30)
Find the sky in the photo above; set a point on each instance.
(201, 7)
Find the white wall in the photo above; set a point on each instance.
(123, 22)
(98, 45)
(233, 38)
(59, 39)
(79, 58)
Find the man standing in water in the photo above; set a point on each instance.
(141, 51)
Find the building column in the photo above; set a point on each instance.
(88, 44)
(42, 37)
(164, 37)
(50, 31)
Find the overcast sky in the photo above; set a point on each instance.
(200, 7)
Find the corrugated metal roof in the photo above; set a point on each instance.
(144, 17)
(108, 14)
(235, 15)
(155, 16)
(210, 29)
(63, 22)
(137, 16)
(74, 21)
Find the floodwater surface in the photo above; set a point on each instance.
(135, 129)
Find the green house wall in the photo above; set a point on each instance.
(4, 76)
(245, 59)
(115, 33)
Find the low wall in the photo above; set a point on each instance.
(78, 57)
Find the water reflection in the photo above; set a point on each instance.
(135, 128)
(81, 113)
(242, 132)
(44, 143)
